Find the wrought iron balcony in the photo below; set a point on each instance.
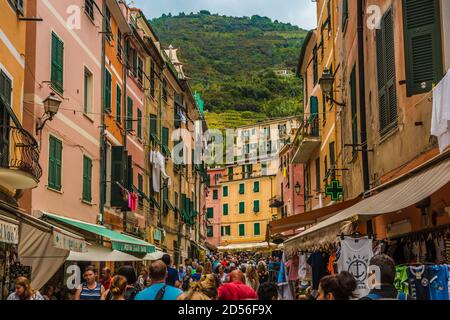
(307, 140)
(19, 159)
(275, 202)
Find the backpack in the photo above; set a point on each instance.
(375, 296)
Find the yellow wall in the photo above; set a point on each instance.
(267, 190)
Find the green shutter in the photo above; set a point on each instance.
(241, 188)
(225, 191)
(57, 63)
(230, 174)
(354, 111)
(256, 186)
(215, 194)
(210, 231)
(423, 45)
(241, 230)
(257, 229)
(165, 141)
(129, 123)
(387, 90)
(117, 175)
(87, 179)
(241, 207)
(344, 14)
(55, 164)
(183, 205)
(210, 213)
(256, 206)
(139, 123)
(108, 91)
(118, 104)
(222, 229)
(225, 209)
(153, 128)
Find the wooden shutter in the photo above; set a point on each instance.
(423, 45)
(257, 229)
(387, 90)
(55, 164)
(87, 179)
(241, 207)
(256, 186)
(153, 125)
(225, 209)
(129, 177)
(108, 91)
(225, 191)
(57, 64)
(210, 213)
(256, 205)
(241, 188)
(129, 124)
(242, 230)
(117, 175)
(119, 104)
(139, 123)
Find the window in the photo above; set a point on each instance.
(129, 122)
(164, 90)
(134, 56)
(256, 186)
(241, 230)
(423, 45)
(89, 8)
(264, 168)
(57, 65)
(344, 14)
(315, 66)
(225, 230)
(165, 141)
(118, 104)
(257, 229)
(225, 209)
(241, 188)
(210, 213)
(209, 231)
(140, 71)
(17, 5)
(119, 44)
(215, 194)
(139, 123)
(55, 163)
(88, 87)
(318, 175)
(230, 174)
(141, 189)
(177, 205)
(354, 111)
(153, 128)
(241, 207)
(109, 34)
(107, 91)
(87, 179)
(152, 78)
(387, 91)
(256, 206)
(225, 191)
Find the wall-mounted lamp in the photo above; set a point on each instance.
(297, 188)
(326, 84)
(51, 107)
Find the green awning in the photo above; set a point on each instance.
(119, 241)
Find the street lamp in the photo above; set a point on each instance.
(297, 188)
(327, 85)
(51, 107)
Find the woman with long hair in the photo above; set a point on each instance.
(207, 268)
(337, 287)
(118, 288)
(24, 291)
(263, 274)
(201, 290)
(251, 277)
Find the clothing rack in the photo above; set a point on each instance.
(357, 235)
(418, 235)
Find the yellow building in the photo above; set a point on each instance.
(318, 141)
(246, 191)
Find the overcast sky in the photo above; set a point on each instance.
(299, 12)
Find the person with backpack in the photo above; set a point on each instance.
(384, 288)
(133, 287)
(159, 290)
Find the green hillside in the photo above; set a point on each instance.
(232, 60)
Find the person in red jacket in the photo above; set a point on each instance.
(236, 288)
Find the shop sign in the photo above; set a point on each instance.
(130, 247)
(9, 232)
(65, 242)
(157, 234)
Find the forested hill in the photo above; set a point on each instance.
(232, 62)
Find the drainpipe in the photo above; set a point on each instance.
(362, 97)
(125, 110)
(103, 131)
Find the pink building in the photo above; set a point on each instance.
(63, 61)
(214, 206)
(290, 184)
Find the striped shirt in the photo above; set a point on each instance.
(91, 294)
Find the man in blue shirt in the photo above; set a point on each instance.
(172, 278)
(159, 290)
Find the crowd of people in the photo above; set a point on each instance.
(228, 277)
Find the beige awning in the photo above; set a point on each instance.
(158, 254)
(247, 246)
(98, 253)
(402, 195)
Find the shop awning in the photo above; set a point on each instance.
(9, 230)
(410, 191)
(308, 218)
(158, 254)
(118, 240)
(98, 253)
(247, 246)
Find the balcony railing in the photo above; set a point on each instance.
(19, 151)
(309, 127)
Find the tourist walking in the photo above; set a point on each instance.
(337, 287)
(90, 289)
(24, 291)
(251, 277)
(236, 289)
